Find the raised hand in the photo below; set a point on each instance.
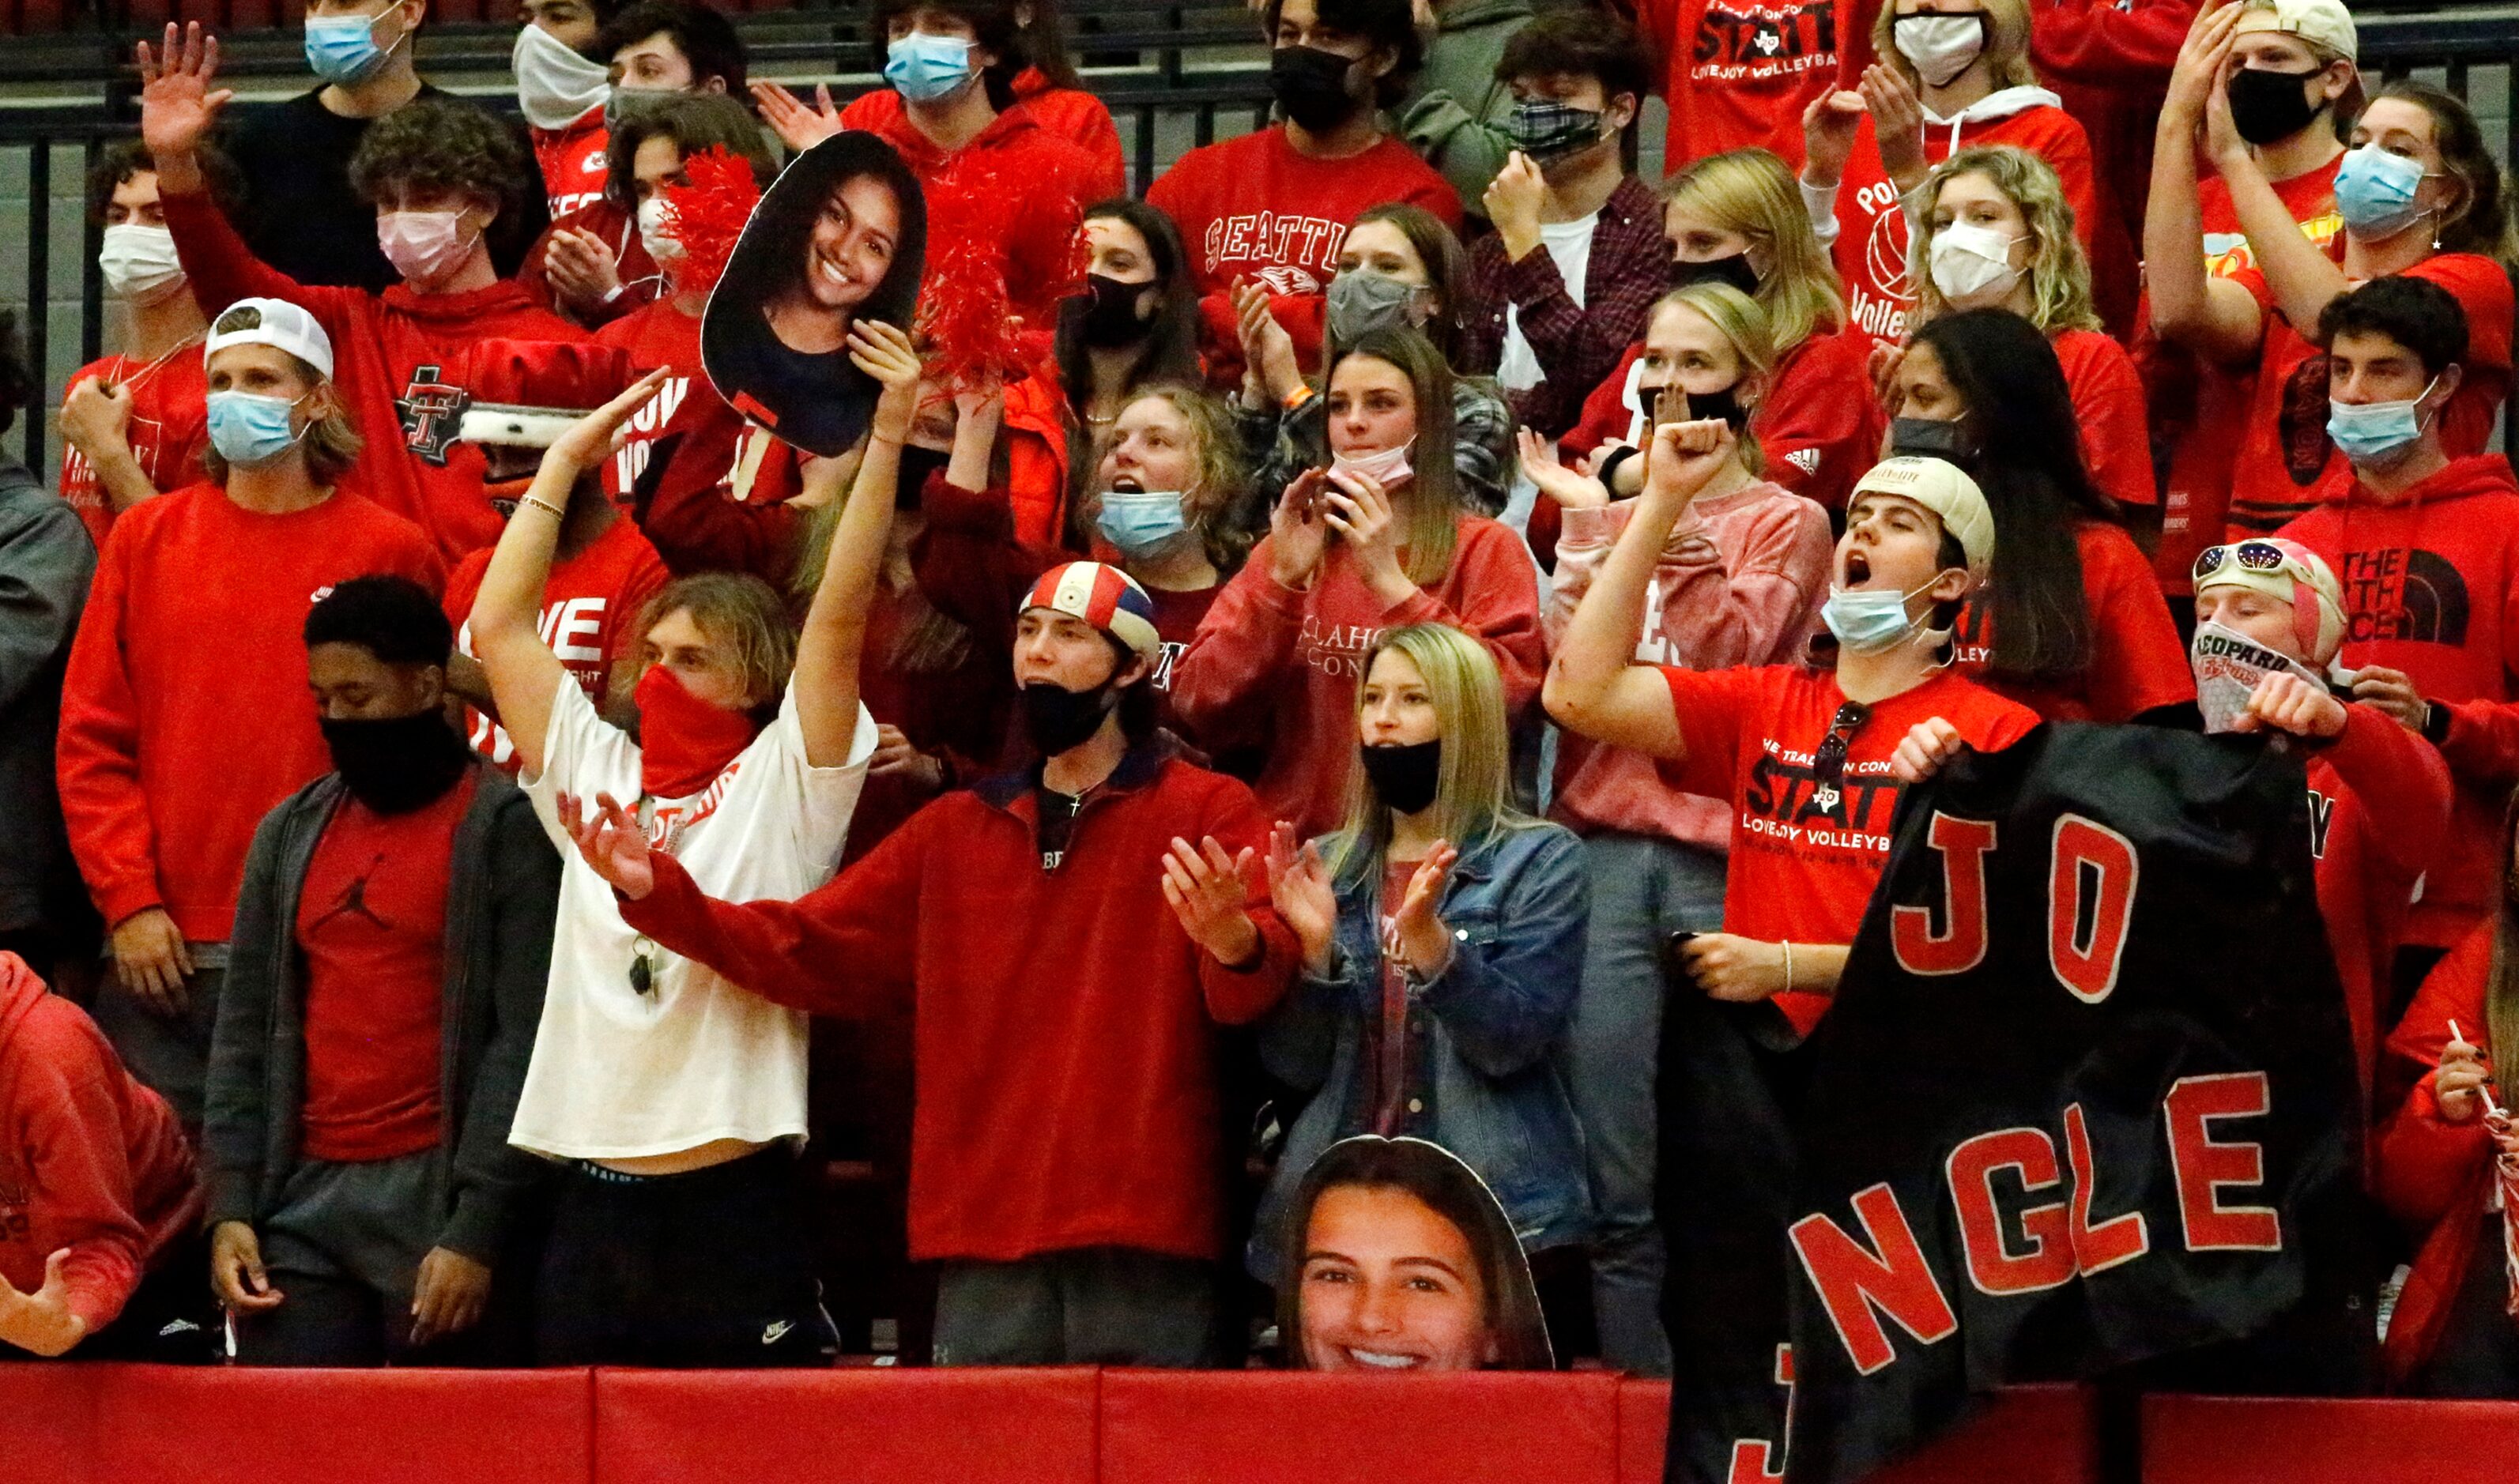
(96, 417)
(1513, 199)
(1360, 510)
(2222, 142)
(1298, 535)
(1299, 887)
(591, 437)
(612, 842)
(1829, 127)
(797, 126)
(2198, 68)
(1569, 488)
(1897, 125)
(1683, 459)
(581, 267)
(1205, 890)
(177, 104)
(1417, 930)
(1266, 349)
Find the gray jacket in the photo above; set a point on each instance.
(46, 559)
(1453, 114)
(502, 895)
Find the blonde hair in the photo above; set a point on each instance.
(331, 443)
(2006, 43)
(1752, 192)
(2059, 271)
(1222, 474)
(1737, 317)
(736, 609)
(1473, 786)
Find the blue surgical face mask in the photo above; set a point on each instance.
(924, 68)
(250, 429)
(1867, 622)
(2376, 191)
(1142, 525)
(2376, 433)
(343, 48)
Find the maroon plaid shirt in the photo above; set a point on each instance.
(1576, 344)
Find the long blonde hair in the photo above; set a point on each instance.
(2059, 271)
(2006, 43)
(1752, 192)
(1473, 787)
(1737, 317)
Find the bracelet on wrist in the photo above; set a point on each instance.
(1295, 399)
(539, 504)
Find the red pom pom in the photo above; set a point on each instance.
(706, 217)
(966, 318)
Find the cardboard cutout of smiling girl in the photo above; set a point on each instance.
(841, 234)
(1397, 1257)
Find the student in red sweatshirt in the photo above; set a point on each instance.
(2110, 64)
(2428, 548)
(1739, 76)
(1047, 86)
(1068, 1149)
(96, 1194)
(1273, 205)
(183, 716)
(2420, 195)
(440, 174)
(1376, 540)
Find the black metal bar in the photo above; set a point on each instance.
(39, 297)
(91, 278)
(1141, 170)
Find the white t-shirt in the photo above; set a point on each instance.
(617, 1074)
(1570, 245)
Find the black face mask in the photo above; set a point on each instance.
(1405, 775)
(1725, 404)
(394, 764)
(1057, 718)
(1733, 270)
(916, 464)
(1310, 86)
(1931, 438)
(1111, 318)
(2265, 107)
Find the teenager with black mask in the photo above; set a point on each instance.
(1070, 936)
(385, 977)
(1134, 325)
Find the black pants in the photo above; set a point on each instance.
(708, 1269)
(2477, 1355)
(169, 1319)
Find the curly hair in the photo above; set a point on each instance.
(441, 144)
(127, 157)
(2058, 272)
(1223, 475)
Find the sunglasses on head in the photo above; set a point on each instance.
(2251, 555)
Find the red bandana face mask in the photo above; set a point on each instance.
(684, 742)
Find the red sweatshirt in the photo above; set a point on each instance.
(2138, 662)
(2108, 404)
(1277, 667)
(2431, 588)
(389, 353)
(1038, 185)
(575, 161)
(89, 1159)
(2111, 62)
(686, 407)
(1066, 1024)
(642, 281)
(1738, 72)
(2379, 807)
(184, 716)
(591, 603)
(1071, 113)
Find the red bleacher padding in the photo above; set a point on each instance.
(2221, 1440)
(47, 1422)
(846, 1426)
(2027, 1436)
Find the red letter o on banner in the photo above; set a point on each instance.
(1960, 945)
(2096, 866)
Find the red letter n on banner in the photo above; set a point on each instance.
(2203, 1167)
(1961, 944)
(1853, 1281)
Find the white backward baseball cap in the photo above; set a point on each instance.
(276, 323)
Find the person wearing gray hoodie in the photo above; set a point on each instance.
(1455, 109)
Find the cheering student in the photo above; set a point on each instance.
(1048, 87)
(131, 423)
(563, 91)
(2292, 78)
(393, 939)
(172, 749)
(2420, 198)
(1332, 65)
(1948, 78)
(2428, 548)
(2072, 624)
(438, 175)
(1441, 932)
(2448, 1163)
(1095, 1235)
(1739, 583)
(1400, 267)
(673, 1098)
(1562, 285)
(1376, 540)
(2379, 795)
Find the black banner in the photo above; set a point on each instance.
(2086, 1099)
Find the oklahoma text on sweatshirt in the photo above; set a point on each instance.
(390, 352)
(1739, 583)
(1278, 667)
(1072, 113)
(2431, 588)
(89, 1159)
(185, 716)
(1066, 1024)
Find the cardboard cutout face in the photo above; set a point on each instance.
(840, 236)
(1401, 1258)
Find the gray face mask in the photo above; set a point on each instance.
(1361, 302)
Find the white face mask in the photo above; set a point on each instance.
(1971, 261)
(1387, 467)
(555, 85)
(1941, 47)
(424, 247)
(654, 234)
(139, 263)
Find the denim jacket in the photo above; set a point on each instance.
(1479, 1079)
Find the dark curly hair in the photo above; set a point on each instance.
(127, 157)
(441, 144)
(385, 614)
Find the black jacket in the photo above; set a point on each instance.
(46, 559)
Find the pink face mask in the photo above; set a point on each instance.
(423, 246)
(1387, 467)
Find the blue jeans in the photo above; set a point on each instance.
(1644, 888)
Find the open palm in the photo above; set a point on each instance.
(612, 842)
(177, 104)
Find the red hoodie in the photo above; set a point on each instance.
(1277, 667)
(2379, 805)
(1038, 185)
(2431, 588)
(1071, 113)
(576, 161)
(89, 1160)
(390, 352)
(685, 408)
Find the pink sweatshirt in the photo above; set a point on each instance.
(1739, 583)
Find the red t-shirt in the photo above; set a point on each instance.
(1254, 207)
(2107, 402)
(589, 602)
(371, 923)
(2287, 466)
(575, 161)
(2136, 662)
(168, 429)
(1801, 871)
(659, 334)
(1738, 72)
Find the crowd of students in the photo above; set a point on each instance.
(457, 765)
